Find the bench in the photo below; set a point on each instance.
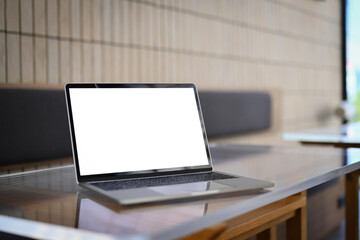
(34, 125)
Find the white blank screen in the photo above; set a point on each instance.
(132, 129)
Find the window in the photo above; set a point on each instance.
(352, 54)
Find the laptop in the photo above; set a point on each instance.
(142, 143)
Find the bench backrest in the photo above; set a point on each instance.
(34, 125)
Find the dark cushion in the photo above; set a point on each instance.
(33, 125)
(228, 113)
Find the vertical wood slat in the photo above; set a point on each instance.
(87, 63)
(107, 15)
(156, 43)
(40, 60)
(27, 59)
(118, 67)
(124, 65)
(97, 62)
(65, 75)
(152, 44)
(164, 63)
(124, 38)
(108, 54)
(53, 61)
(12, 15)
(26, 16)
(124, 22)
(75, 19)
(65, 18)
(108, 64)
(13, 58)
(39, 16)
(2, 14)
(143, 41)
(133, 28)
(86, 20)
(2, 58)
(52, 17)
(116, 10)
(76, 64)
(97, 20)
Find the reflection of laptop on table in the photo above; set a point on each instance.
(137, 143)
(95, 217)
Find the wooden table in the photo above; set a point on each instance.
(344, 136)
(48, 203)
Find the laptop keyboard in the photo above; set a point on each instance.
(160, 181)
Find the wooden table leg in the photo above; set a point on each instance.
(296, 227)
(352, 205)
(263, 221)
(268, 234)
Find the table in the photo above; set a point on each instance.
(344, 136)
(48, 203)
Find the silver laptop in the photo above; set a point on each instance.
(139, 143)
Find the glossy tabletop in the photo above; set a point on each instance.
(48, 203)
(347, 135)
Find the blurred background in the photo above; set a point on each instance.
(289, 48)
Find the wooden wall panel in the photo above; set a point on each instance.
(75, 6)
(26, 16)
(2, 58)
(39, 16)
(97, 20)
(108, 64)
(288, 47)
(87, 63)
(87, 22)
(13, 58)
(118, 65)
(12, 15)
(97, 62)
(52, 17)
(53, 61)
(40, 62)
(124, 67)
(65, 18)
(2, 14)
(108, 26)
(76, 63)
(116, 20)
(65, 61)
(27, 59)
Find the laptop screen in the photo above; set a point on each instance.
(136, 129)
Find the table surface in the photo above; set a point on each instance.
(50, 203)
(348, 133)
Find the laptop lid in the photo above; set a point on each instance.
(136, 130)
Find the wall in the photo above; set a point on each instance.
(289, 47)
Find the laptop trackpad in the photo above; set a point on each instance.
(176, 189)
(134, 193)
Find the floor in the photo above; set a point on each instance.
(339, 233)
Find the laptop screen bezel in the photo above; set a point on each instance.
(137, 174)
